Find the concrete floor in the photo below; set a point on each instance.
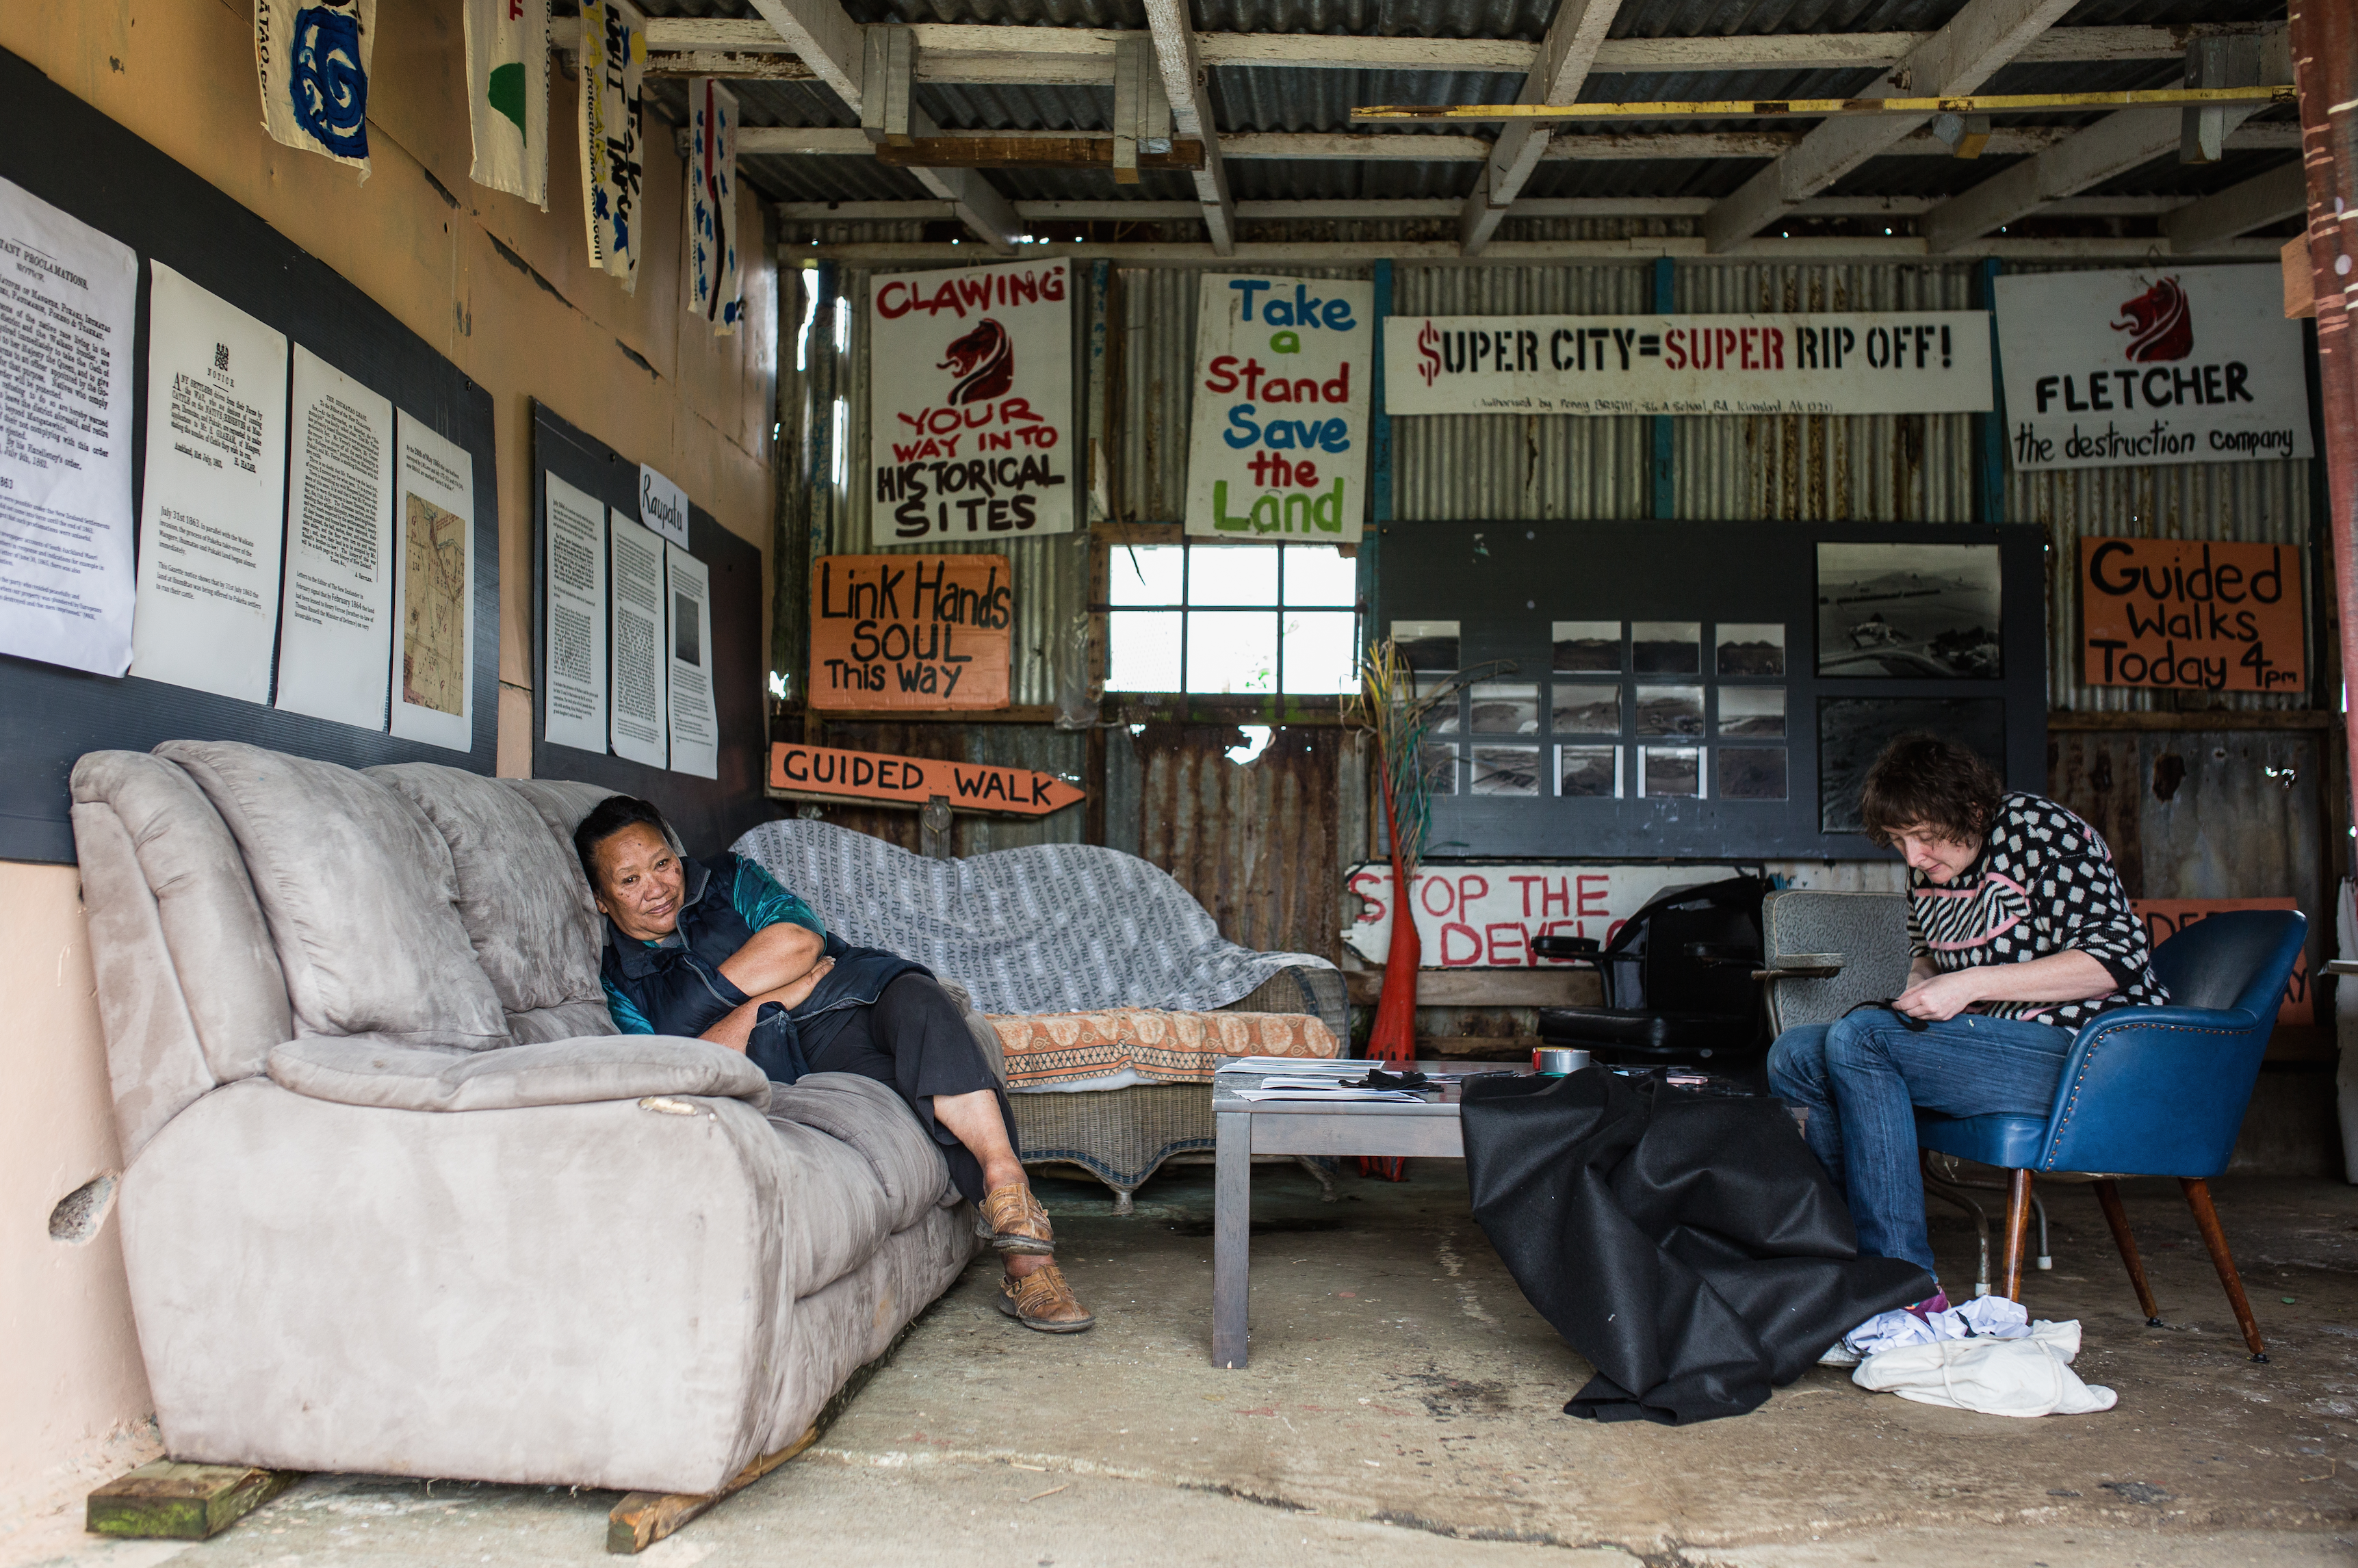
(1403, 1406)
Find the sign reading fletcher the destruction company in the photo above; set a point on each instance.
(2192, 366)
(913, 632)
(2198, 615)
(1921, 361)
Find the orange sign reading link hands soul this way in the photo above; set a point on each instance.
(830, 774)
(910, 632)
(2194, 613)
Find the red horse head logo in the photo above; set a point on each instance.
(984, 362)
(2159, 325)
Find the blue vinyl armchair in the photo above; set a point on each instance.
(2151, 1091)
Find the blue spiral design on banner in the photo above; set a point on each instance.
(325, 86)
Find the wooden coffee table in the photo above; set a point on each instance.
(1428, 1130)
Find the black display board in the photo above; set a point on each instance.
(708, 813)
(67, 154)
(1932, 626)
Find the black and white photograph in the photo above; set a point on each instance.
(1673, 710)
(1442, 718)
(1909, 612)
(687, 630)
(1592, 773)
(1587, 645)
(1751, 649)
(1853, 730)
(1427, 644)
(1752, 710)
(1666, 647)
(1752, 772)
(1669, 771)
(1438, 761)
(1505, 708)
(1506, 770)
(1585, 709)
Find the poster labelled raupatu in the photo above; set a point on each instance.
(970, 411)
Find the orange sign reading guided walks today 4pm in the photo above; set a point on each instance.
(834, 774)
(2195, 614)
(910, 632)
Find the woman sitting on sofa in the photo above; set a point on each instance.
(721, 952)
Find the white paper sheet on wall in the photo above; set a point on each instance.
(433, 588)
(212, 508)
(573, 679)
(636, 720)
(67, 297)
(695, 727)
(335, 627)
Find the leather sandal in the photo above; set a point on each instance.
(1042, 1300)
(1015, 1222)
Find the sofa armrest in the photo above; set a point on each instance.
(1298, 988)
(369, 1070)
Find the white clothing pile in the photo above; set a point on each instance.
(1984, 1356)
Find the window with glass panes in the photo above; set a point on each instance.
(1259, 620)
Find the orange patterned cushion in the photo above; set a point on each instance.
(1167, 1047)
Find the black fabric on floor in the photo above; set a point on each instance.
(1691, 1249)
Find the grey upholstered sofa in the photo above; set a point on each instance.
(399, 1200)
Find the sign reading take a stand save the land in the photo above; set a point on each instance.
(2197, 365)
(826, 772)
(1899, 361)
(970, 402)
(2198, 615)
(910, 632)
(1279, 449)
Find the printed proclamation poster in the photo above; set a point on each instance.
(573, 685)
(67, 293)
(335, 636)
(433, 599)
(213, 509)
(635, 696)
(695, 727)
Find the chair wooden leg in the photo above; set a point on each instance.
(2206, 1219)
(2108, 1198)
(2017, 1234)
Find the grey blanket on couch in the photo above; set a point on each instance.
(1054, 928)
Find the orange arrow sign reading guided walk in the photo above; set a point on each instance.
(827, 773)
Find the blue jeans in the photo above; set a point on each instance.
(1863, 1076)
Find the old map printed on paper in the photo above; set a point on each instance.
(434, 631)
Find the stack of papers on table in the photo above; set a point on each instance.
(1325, 1090)
(1300, 1067)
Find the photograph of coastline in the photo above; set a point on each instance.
(1666, 647)
(1505, 709)
(1585, 709)
(1427, 644)
(1751, 649)
(1675, 711)
(1752, 710)
(1589, 772)
(1438, 761)
(1752, 772)
(1506, 770)
(1909, 611)
(1587, 645)
(1669, 771)
(1853, 730)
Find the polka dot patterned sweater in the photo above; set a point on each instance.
(2043, 884)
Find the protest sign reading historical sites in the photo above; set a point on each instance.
(917, 631)
(1279, 445)
(1910, 362)
(2191, 613)
(970, 401)
(2192, 366)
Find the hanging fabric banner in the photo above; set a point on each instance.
(614, 58)
(313, 56)
(507, 96)
(712, 205)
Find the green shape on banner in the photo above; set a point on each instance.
(505, 92)
(1286, 343)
